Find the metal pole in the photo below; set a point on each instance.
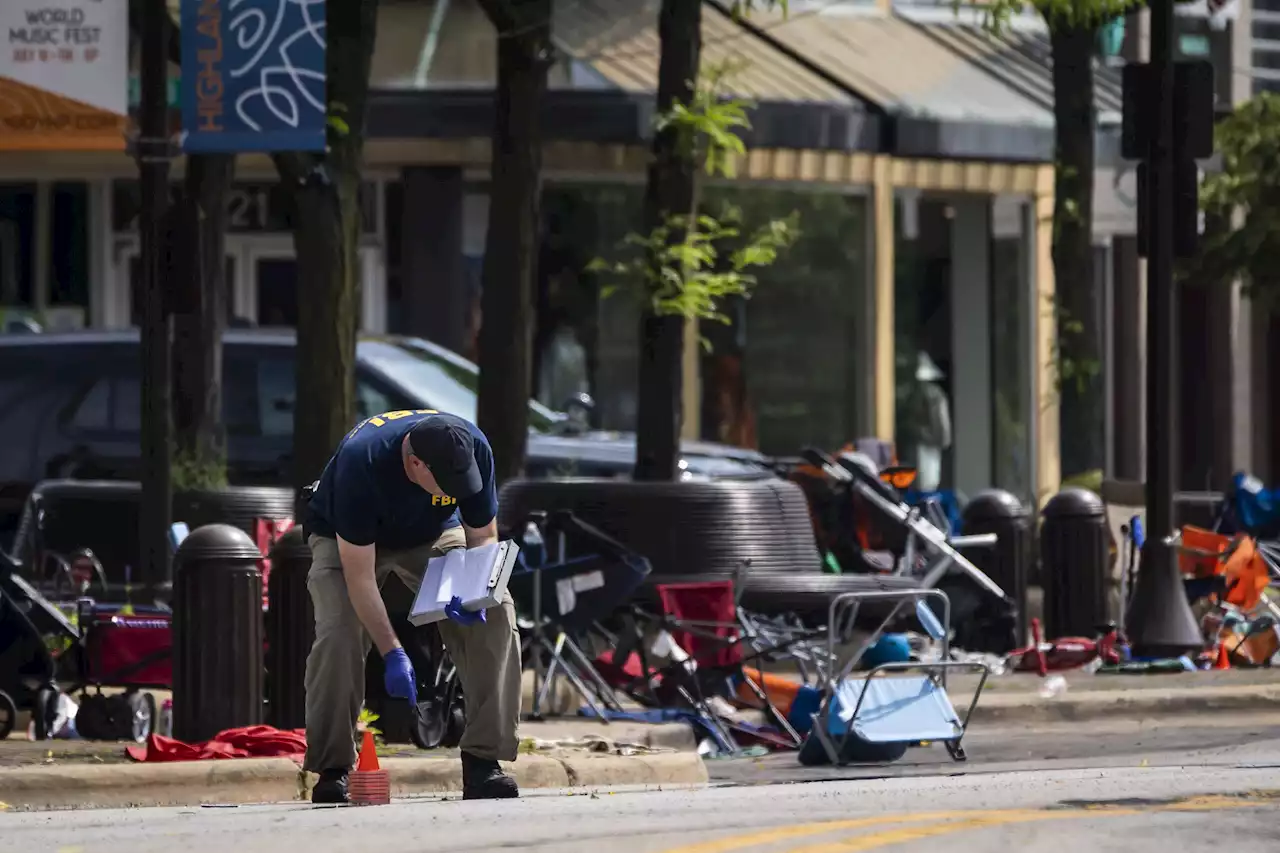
(1161, 301)
(152, 153)
(1161, 623)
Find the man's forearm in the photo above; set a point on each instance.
(480, 536)
(358, 569)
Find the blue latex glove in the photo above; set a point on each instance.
(455, 611)
(400, 680)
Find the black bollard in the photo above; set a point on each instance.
(291, 626)
(217, 633)
(1009, 562)
(1074, 559)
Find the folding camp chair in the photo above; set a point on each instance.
(707, 622)
(698, 647)
(1234, 569)
(877, 716)
(783, 639)
(564, 597)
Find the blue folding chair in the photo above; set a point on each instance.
(877, 716)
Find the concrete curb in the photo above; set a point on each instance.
(263, 780)
(677, 736)
(186, 783)
(574, 732)
(1149, 703)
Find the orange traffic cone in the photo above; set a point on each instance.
(1224, 659)
(369, 785)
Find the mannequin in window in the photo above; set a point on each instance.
(562, 370)
(928, 424)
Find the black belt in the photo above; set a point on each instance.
(304, 508)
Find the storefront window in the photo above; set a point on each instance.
(923, 363)
(17, 237)
(786, 372)
(789, 370)
(69, 264)
(962, 342)
(581, 337)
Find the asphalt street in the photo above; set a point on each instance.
(1117, 787)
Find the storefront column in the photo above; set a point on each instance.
(1047, 452)
(100, 250)
(971, 398)
(882, 308)
(1228, 388)
(432, 270)
(1262, 436)
(42, 255)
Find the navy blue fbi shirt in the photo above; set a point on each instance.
(365, 497)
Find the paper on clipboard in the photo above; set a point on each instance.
(478, 576)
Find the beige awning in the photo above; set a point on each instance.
(619, 39)
(894, 64)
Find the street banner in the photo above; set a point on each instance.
(253, 75)
(64, 75)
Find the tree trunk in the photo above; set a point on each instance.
(200, 317)
(511, 250)
(670, 192)
(1079, 334)
(326, 231)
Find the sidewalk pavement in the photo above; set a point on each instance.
(566, 753)
(571, 752)
(1025, 697)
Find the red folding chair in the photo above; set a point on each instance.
(702, 620)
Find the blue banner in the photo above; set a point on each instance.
(253, 75)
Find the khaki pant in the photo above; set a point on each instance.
(487, 655)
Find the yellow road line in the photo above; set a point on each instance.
(933, 824)
(914, 833)
(1210, 804)
(787, 833)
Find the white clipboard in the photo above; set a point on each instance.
(478, 576)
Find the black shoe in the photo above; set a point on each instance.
(331, 789)
(484, 780)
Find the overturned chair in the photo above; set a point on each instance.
(562, 599)
(877, 715)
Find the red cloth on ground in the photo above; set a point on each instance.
(248, 742)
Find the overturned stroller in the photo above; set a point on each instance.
(28, 666)
(863, 513)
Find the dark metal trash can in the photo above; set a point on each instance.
(1009, 562)
(291, 626)
(217, 633)
(1074, 554)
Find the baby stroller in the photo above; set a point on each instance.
(28, 666)
(918, 543)
(439, 717)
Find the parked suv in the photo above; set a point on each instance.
(70, 407)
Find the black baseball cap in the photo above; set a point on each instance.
(445, 445)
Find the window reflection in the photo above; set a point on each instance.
(785, 371)
(789, 369)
